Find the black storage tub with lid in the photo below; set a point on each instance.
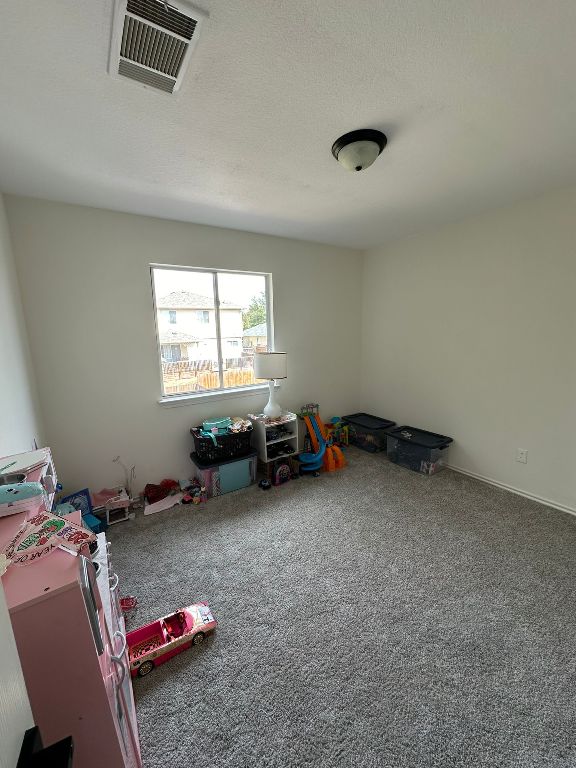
(367, 432)
(417, 449)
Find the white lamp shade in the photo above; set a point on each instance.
(270, 365)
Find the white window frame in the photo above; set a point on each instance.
(221, 393)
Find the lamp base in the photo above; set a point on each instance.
(272, 408)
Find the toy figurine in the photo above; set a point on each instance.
(282, 474)
(195, 493)
(128, 603)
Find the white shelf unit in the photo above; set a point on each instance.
(116, 509)
(37, 466)
(265, 445)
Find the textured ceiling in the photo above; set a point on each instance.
(478, 99)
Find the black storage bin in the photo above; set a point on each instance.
(230, 446)
(367, 432)
(417, 449)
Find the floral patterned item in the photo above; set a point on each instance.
(42, 534)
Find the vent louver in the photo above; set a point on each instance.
(152, 41)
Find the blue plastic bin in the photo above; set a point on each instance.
(225, 476)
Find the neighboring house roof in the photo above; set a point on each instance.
(176, 337)
(256, 330)
(188, 300)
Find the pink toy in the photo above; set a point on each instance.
(155, 643)
(128, 603)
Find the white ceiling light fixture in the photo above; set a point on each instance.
(153, 40)
(357, 150)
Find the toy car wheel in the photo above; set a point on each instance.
(198, 638)
(145, 668)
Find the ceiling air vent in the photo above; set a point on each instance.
(152, 42)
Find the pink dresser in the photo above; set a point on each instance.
(72, 644)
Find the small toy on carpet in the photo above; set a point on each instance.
(195, 493)
(128, 603)
(155, 643)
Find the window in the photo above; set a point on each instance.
(171, 353)
(223, 318)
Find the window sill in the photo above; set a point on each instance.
(173, 401)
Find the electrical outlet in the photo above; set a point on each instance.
(522, 455)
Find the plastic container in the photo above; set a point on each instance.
(22, 497)
(417, 449)
(367, 432)
(229, 446)
(226, 475)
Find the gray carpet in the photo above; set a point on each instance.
(373, 617)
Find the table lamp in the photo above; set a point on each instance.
(271, 366)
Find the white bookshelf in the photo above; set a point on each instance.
(267, 444)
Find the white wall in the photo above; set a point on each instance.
(471, 331)
(87, 297)
(19, 425)
(19, 417)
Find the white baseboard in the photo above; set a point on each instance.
(517, 491)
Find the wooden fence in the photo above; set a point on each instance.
(197, 376)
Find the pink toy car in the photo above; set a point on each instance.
(155, 643)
